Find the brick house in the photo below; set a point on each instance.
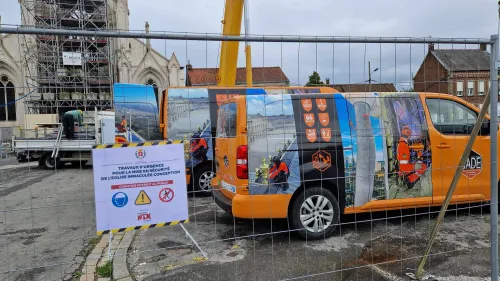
(262, 76)
(461, 72)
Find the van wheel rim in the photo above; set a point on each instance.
(205, 179)
(316, 213)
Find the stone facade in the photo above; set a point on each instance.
(134, 61)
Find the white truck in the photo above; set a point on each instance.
(47, 145)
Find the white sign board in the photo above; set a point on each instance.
(139, 186)
(72, 58)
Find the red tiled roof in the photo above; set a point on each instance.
(261, 75)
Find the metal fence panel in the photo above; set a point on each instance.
(47, 219)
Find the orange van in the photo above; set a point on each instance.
(313, 157)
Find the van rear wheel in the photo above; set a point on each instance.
(315, 213)
(202, 178)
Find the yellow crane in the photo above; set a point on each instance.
(233, 13)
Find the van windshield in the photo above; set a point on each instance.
(226, 122)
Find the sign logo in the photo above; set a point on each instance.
(144, 216)
(321, 103)
(306, 104)
(140, 153)
(473, 166)
(311, 135)
(326, 134)
(324, 119)
(321, 160)
(142, 199)
(309, 119)
(119, 199)
(166, 195)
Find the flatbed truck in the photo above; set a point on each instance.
(47, 145)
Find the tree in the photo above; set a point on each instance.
(314, 79)
(407, 90)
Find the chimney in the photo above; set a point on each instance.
(431, 47)
(327, 81)
(482, 47)
(189, 66)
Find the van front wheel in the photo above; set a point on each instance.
(315, 213)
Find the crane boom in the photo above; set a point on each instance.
(233, 14)
(248, 48)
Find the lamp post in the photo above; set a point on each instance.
(370, 75)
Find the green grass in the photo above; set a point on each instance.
(77, 274)
(106, 270)
(94, 240)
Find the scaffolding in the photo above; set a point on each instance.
(66, 72)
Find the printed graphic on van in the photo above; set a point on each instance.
(409, 147)
(272, 143)
(274, 165)
(376, 146)
(136, 112)
(361, 129)
(189, 115)
(188, 111)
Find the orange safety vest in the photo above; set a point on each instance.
(200, 143)
(405, 166)
(403, 152)
(276, 171)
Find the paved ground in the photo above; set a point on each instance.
(245, 250)
(46, 219)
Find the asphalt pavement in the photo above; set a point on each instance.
(382, 246)
(48, 218)
(46, 221)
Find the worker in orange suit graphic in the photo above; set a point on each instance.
(278, 174)
(411, 171)
(199, 147)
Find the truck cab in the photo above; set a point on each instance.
(313, 157)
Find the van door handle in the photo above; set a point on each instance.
(443, 145)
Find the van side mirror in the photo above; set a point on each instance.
(485, 128)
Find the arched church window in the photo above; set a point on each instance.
(7, 99)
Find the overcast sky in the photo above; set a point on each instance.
(342, 63)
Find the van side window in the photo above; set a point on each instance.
(450, 117)
(226, 123)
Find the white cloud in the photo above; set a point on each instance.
(255, 106)
(276, 98)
